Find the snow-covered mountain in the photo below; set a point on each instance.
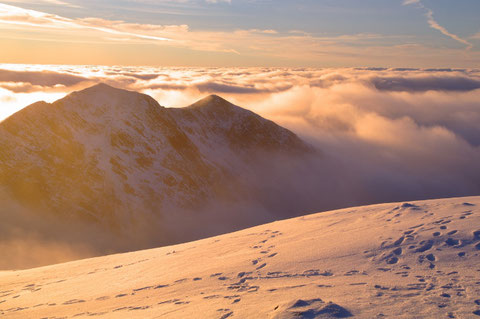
(118, 159)
(399, 260)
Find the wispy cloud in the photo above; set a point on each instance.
(476, 36)
(217, 1)
(262, 42)
(24, 17)
(183, 45)
(52, 2)
(435, 25)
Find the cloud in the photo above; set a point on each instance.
(418, 94)
(29, 239)
(435, 25)
(176, 44)
(41, 78)
(237, 89)
(23, 17)
(315, 102)
(52, 2)
(425, 83)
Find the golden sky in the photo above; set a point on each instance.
(305, 33)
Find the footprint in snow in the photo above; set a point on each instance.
(425, 246)
(73, 301)
(397, 251)
(261, 266)
(102, 298)
(452, 242)
(468, 204)
(225, 316)
(476, 235)
(143, 288)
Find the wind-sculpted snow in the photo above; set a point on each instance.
(398, 260)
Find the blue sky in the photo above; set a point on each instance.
(316, 16)
(435, 32)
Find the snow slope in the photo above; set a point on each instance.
(401, 260)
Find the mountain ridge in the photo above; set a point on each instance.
(119, 159)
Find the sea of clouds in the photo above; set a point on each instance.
(413, 131)
(384, 134)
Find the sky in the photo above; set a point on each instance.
(242, 33)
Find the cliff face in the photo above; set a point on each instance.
(119, 158)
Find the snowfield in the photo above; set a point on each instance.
(401, 260)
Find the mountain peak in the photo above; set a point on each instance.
(102, 88)
(102, 94)
(242, 129)
(214, 101)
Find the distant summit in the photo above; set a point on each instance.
(119, 159)
(212, 100)
(241, 128)
(100, 87)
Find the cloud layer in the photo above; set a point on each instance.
(384, 134)
(326, 100)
